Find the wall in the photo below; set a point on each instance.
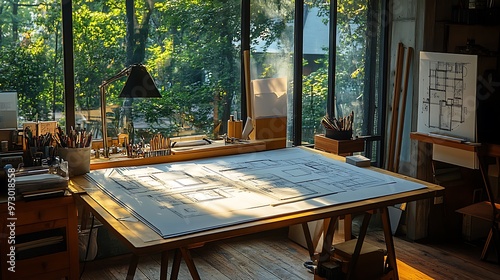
(403, 29)
(413, 24)
(420, 25)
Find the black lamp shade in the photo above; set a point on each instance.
(139, 84)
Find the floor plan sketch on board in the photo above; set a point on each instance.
(444, 102)
(447, 94)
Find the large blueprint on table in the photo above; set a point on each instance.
(180, 198)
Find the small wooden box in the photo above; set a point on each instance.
(370, 264)
(339, 147)
(270, 129)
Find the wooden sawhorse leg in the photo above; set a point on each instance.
(190, 263)
(359, 244)
(328, 240)
(164, 265)
(183, 253)
(176, 264)
(327, 225)
(132, 267)
(309, 242)
(391, 266)
(347, 227)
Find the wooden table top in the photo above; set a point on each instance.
(143, 240)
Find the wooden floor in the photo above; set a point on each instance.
(271, 255)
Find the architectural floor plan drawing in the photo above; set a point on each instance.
(447, 94)
(444, 102)
(179, 198)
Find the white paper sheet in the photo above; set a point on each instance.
(180, 198)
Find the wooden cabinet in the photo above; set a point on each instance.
(46, 239)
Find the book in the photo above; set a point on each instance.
(358, 160)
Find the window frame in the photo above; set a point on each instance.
(69, 84)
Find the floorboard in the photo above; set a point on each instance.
(271, 255)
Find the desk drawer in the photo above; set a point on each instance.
(40, 215)
(53, 263)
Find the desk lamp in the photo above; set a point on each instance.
(139, 84)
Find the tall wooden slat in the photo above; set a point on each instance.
(403, 109)
(246, 60)
(395, 106)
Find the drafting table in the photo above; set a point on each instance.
(301, 198)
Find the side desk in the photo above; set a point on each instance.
(426, 143)
(484, 210)
(41, 221)
(142, 240)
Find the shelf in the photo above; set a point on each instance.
(39, 243)
(426, 138)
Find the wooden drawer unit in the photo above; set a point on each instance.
(46, 239)
(46, 214)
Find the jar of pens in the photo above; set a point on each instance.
(338, 129)
(75, 149)
(39, 149)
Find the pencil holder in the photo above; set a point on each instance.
(78, 160)
(338, 135)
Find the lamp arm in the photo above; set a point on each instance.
(102, 90)
(104, 125)
(125, 72)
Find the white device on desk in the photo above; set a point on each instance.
(8, 109)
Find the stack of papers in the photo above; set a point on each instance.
(358, 160)
(40, 183)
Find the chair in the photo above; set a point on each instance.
(487, 210)
(493, 239)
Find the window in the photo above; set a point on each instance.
(189, 47)
(31, 58)
(193, 51)
(358, 56)
(359, 66)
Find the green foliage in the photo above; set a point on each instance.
(29, 62)
(349, 69)
(99, 38)
(195, 54)
(191, 48)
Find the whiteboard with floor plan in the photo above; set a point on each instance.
(192, 196)
(447, 94)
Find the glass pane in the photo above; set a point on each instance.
(31, 61)
(351, 58)
(99, 38)
(271, 50)
(190, 48)
(315, 70)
